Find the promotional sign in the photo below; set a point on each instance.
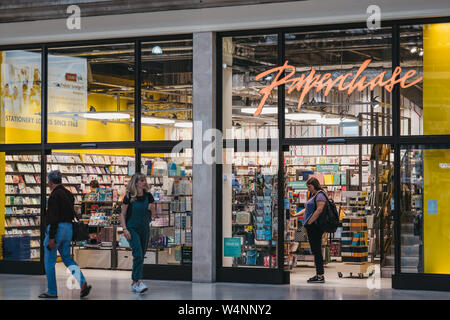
(67, 93)
(432, 206)
(232, 247)
(327, 167)
(297, 184)
(21, 91)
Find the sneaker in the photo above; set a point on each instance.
(316, 279)
(141, 288)
(133, 287)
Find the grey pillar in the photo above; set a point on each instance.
(204, 174)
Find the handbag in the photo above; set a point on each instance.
(80, 231)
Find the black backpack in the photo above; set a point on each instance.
(329, 218)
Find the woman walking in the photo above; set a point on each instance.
(314, 207)
(135, 220)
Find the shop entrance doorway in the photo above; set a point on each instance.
(359, 179)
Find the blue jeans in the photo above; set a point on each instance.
(62, 238)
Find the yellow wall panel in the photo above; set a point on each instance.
(437, 225)
(436, 120)
(436, 78)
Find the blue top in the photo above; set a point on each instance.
(311, 205)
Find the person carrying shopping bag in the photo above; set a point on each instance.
(135, 219)
(58, 219)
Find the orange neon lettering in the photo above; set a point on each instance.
(267, 90)
(304, 83)
(320, 84)
(351, 87)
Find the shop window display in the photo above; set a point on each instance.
(20, 206)
(250, 210)
(170, 179)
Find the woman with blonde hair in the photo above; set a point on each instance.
(135, 219)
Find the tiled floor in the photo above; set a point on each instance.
(115, 285)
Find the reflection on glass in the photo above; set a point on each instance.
(170, 179)
(167, 90)
(20, 98)
(243, 59)
(20, 206)
(250, 210)
(332, 109)
(91, 93)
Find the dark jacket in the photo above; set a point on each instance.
(59, 209)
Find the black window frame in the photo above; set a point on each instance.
(158, 272)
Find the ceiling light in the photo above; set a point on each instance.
(105, 115)
(157, 50)
(413, 49)
(265, 110)
(348, 120)
(303, 116)
(183, 124)
(148, 120)
(328, 120)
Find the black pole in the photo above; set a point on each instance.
(396, 131)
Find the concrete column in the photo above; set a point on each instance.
(204, 174)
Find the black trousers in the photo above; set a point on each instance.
(315, 241)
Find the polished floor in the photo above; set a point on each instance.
(115, 285)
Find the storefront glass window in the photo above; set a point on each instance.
(20, 206)
(336, 83)
(167, 90)
(244, 58)
(91, 93)
(425, 107)
(20, 97)
(250, 209)
(425, 223)
(169, 176)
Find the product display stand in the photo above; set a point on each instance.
(254, 214)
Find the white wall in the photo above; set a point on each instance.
(311, 12)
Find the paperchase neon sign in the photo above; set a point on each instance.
(305, 83)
